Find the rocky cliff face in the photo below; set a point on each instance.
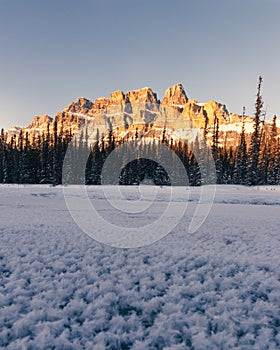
(145, 95)
(117, 98)
(175, 97)
(40, 122)
(123, 112)
(80, 105)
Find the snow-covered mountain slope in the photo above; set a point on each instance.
(215, 289)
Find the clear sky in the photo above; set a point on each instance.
(57, 50)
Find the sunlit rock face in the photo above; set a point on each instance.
(140, 110)
(117, 98)
(175, 97)
(41, 121)
(80, 105)
(145, 95)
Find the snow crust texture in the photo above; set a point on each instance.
(216, 289)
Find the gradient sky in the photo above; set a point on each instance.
(57, 50)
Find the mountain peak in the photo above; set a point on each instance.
(143, 95)
(80, 105)
(117, 97)
(175, 96)
(40, 121)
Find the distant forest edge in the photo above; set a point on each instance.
(250, 162)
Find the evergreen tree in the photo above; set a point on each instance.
(46, 158)
(55, 155)
(273, 155)
(2, 149)
(240, 173)
(9, 172)
(254, 153)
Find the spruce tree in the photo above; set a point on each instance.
(240, 173)
(2, 148)
(254, 152)
(272, 155)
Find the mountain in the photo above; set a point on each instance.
(124, 112)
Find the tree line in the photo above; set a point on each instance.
(39, 161)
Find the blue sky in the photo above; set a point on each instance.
(55, 51)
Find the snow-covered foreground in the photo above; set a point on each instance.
(218, 288)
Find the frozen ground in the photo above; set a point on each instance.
(218, 288)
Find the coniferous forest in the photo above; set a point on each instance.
(254, 161)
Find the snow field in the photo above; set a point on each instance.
(215, 289)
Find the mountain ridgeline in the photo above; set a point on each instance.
(244, 150)
(120, 110)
